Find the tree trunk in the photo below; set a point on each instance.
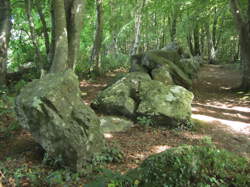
(138, 20)
(5, 26)
(243, 26)
(44, 25)
(95, 58)
(60, 45)
(38, 60)
(74, 17)
(67, 20)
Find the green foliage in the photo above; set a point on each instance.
(184, 166)
(55, 162)
(37, 176)
(109, 154)
(8, 124)
(185, 125)
(143, 120)
(193, 166)
(112, 179)
(19, 85)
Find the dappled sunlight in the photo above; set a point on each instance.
(108, 135)
(87, 84)
(237, 126)
(192, 136)
(160, 148)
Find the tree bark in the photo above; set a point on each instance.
(60, 53)
(74, 17)
(95, 58)
(5, 27)
(243, 26)
(44, 26)
(138, 20)
(67, 21)
(38, 60)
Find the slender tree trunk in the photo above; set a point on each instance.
(138, 21)
(38, 60)
(44, 25)
(196, 36)
(190, 44)
(5, 27)
(95, 58)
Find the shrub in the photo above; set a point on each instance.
(193, 166)
(184, 166)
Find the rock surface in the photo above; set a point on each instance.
(51, 109)
(114, 124)
(137, 95)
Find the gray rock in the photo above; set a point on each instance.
(137, 95)
(162, 74)
(119, 98)
(165, 105)
(51, 109)
(190, 66)
(157, 59)
(114, 124)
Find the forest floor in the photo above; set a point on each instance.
(218, 112)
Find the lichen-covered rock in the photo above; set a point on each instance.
(166, 105)
(51, 109)
(119, 97)
(155, 59)
(162, 74)
(137, 95)
(190, 66)
(114, 124)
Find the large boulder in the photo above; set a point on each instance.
(52, 110)
(190, 66)
(163, 75)
(119, 98)
(155, 59)
(136, 95)
(165, 105)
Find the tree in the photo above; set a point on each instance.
(5, 26)
(67, 21)
(138, 23)
(95, 58)
(242, 20)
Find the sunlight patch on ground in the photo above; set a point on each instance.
(219, 105)
(160, 148)
(108, 135)
(237, 126)
(192, 136)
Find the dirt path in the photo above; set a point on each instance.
(226, 114)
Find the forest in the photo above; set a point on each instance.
(124, 93)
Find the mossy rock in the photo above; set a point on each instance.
(192, 166)
(166, 105)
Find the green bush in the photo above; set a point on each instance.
(193, 166)
(184, 166)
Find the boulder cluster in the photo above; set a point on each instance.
(156, 88)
